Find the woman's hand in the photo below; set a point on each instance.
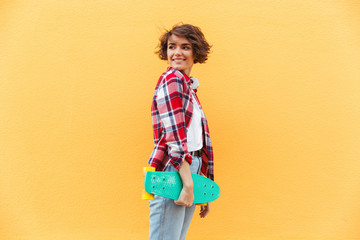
(204, 210)
(186, 197)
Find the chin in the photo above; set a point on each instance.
(178, 68)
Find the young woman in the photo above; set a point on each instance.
(181, 133)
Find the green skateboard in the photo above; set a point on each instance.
(169, 185)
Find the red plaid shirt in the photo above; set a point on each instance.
(171, 111)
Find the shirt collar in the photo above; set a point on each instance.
(187, 78)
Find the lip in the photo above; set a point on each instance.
(178, 59)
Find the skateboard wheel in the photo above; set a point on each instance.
(201, 204)
(148, 169)
(147, 196)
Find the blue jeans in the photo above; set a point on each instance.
(169, 221)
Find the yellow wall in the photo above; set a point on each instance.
(280, 90)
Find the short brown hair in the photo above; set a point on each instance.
(193, 34)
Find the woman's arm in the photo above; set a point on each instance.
(170, 104)
(186, 197)
(171, 99)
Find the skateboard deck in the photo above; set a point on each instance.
(169, 185)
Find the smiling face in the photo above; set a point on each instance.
(180, 54)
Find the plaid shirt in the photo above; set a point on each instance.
(171, 111)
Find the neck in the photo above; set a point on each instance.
(186, 71)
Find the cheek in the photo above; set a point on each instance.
(169, 54)
(191, 56)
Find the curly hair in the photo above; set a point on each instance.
(193, 34)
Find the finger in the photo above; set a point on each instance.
(204, 211)
(181, 204)
(178, 203)
(204, 214)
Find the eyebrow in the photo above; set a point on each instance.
(170, 43)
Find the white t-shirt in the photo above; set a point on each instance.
(194, 132)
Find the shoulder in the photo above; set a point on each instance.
(172, 75)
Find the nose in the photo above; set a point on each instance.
(177, 51)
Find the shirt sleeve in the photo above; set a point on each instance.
(170, 103)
